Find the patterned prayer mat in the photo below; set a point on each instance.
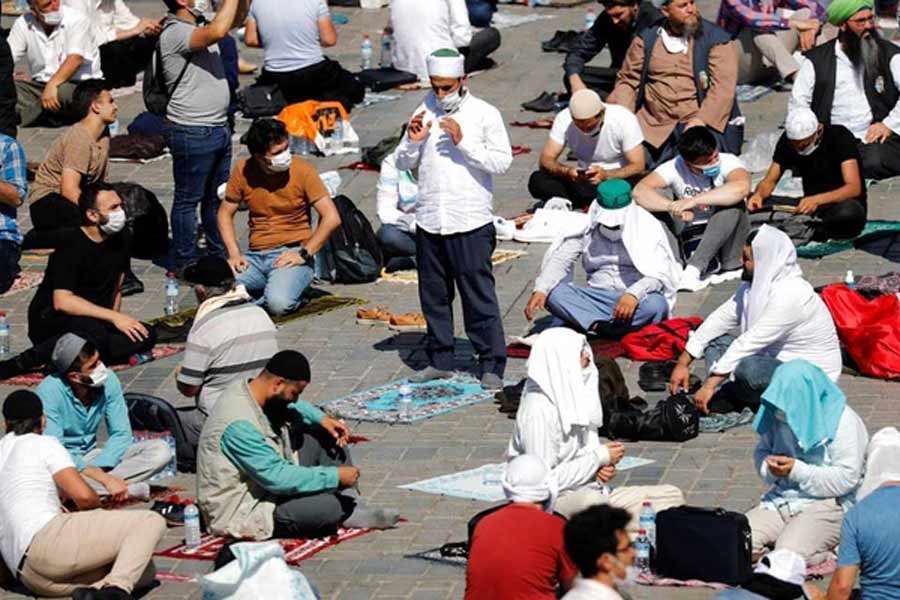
(604, 348)
(483, 483)
(157, 492)
(815, 572)
(435, 555)
(25, 281)
(873, 231)
(519, 150)
(717, 423)
(429, 399)
(499, 257)
(537, 124)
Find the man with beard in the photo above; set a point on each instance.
(270, 465)
(854, 81)
(781, 318)
(680, 75)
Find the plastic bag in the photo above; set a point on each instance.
(258, 571)
(758, 155)
(325, 124)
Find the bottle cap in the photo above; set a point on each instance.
(365, 36)
(642, 532)
(170, 274)
(2, 313)
(645, 503)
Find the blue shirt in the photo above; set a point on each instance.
(289, 32)
(75, 425)
(12, 171)
(869, 540)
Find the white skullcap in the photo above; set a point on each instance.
(527, 479)
(446, 62)
(783, 565)
(800, 123)
(585, 104)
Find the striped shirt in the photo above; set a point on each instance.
(230, 343)
(763, 15)
(12, 171)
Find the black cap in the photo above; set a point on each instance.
(22, 404)
(208, 270)
(290, 365)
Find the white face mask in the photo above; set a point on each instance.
(115, 223)
(810, 149)
(52, 18)
(99, 376)
(611, 234)
(450, 103)
(281, 162)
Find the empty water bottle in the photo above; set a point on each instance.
(337, 135)
(365, 53)
(4, 336)
(191, 525)
(850, 281)
(386, 42)
(404, 402)
(642, 552)
(140, 358)
(647, 521)
(590, 15)
(171, 293)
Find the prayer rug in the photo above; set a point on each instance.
(296, 550)
(483, 483)
(717, 423)
(519, 150)
(25, 281)
(429, 399)
(751, 93)
(499, 257)
(157, 492)
(871, 233)
(815, 572)
(504, 20)
(601, 348)
(537, 124)
(372, 98)
(174, 578)
(435, 555)
(140, 161)
(360, 166)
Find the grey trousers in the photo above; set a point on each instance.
(28, 102)
(812, 533)
(762, 55)
(320, 513)
(141, 461)
(723, 239)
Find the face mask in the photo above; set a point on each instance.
(280, 162)
(98, 376)
(52, 18)
(611, 234)
(115, 222)
(713, 171)
(450, 103)
(810, 149)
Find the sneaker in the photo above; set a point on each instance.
(373, 316)
(690, 280)
(724, 276)
(170, 511)
(491, 381)
(408, 322)
(505, 229)
(429, 374)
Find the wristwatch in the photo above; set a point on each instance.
(305, 255)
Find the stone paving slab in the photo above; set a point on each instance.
(712, 470)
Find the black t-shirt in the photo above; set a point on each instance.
(89, 269)
(821, 170)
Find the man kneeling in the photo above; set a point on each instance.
(268, 465)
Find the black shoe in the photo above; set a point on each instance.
(111, 592)
(85, 593)
(654, 376)
(560, 42)
(26, 362)
(171, 512)
(546, 102)
(131, 285)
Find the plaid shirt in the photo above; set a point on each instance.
(12, 171)
(762, 15)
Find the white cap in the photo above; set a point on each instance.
(800, 123)
(446, 62)
(585, 104)
(783, 565)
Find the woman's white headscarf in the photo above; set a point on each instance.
(554, 367)
(774, 261)
(882, 462)
(527, 479)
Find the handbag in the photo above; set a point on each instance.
(385, 78)
(674, 419)
(261, 101)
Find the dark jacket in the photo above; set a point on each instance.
(602, 34)
(8, 117)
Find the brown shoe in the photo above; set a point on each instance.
(408, 322)
(373, 316)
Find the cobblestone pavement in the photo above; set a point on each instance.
(713, 470)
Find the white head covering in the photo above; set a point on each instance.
(527, 479)
(783, 565)
(801, 123)
(585, 104)
(882, 462)
(554, 366)
(446, 62)
(774, 261)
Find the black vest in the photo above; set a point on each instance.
(881, 101)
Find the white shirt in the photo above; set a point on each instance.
(620, 133)
(423, 26)
(684, 183)
(28, 497)
(44, 53)
(395, 195)
(796, 324)
(107, 17)
(573, 457)
(850, 107)
(591, 589)
(456, 181)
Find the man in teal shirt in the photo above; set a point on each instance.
(271, 465)
(80, 395)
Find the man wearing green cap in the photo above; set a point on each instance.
(854, 81)
(632, 271)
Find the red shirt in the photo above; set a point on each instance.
(517, 553)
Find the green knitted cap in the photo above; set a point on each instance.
(614, 194)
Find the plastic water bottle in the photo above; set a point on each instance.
(365, 53)
(191, 525)
(404, 402)
(171, 293)
(590, 15)
(642, 552)
(386, 43)
(140, 358)
(4, 336)
(337, 135)
(21, 5)
(850, 281)
(647, 521)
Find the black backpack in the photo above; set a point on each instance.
(674, 419)
(261, 101)
(352, 253)
(150, 413)
(156, 94)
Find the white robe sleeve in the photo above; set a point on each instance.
(847, 454)
(409, 153)
(762, 451)
(801, 93)
(721, 321)
(493, 152)
(892, 120)
(460, 27)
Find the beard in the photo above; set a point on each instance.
(688, 29)
(276, 410)
(862, 51)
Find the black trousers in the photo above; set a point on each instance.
(481, 46)
(837, 221)
(600, 79)
(544, 185)
(463, 260)
(880, 161)
(122, 60)
(326, 80)
(54, 211)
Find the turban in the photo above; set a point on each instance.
(527, 479)
(841, 10)
(585, 104)
(446, 62)
(800, 123)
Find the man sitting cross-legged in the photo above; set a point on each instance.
(270, 465)
(85, 553)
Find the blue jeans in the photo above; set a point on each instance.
(480, 12)
(281, 289)
(591, 309)
(751, 377)
(201, 162)
(398, 247)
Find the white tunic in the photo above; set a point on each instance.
(589, 589)
(423, 26)
(43, 54)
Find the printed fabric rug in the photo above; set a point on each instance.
(601, 348)
(25, 281)
(815, 572)
(483, 483)
(717, 423)
(296, 550)
(157, 492)
(499, 257)
(874, 230)
(429, 399)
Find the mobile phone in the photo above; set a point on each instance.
(582, 173)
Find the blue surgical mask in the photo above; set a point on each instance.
(714, 170)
